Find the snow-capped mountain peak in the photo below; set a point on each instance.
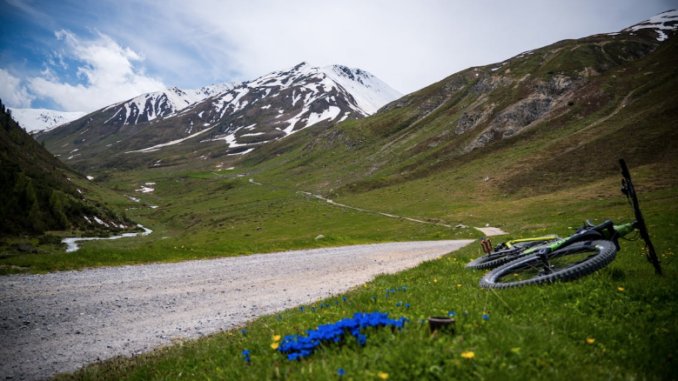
(661, 23)
(241, 115)
(369, 91)
(161, 104)
(37, 119)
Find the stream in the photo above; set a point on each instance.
(73, 246)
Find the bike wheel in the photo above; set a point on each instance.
(565, 264)
(500, 257)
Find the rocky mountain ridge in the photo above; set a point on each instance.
(237, 117)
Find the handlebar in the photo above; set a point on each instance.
(630, 192)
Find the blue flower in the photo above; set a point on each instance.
(279, 317)
(398, 304)
(246, 352)
(341, 372)
(407, 305)
(451, 314)
(313, 308)
(374, 297)
(486, 317)
(387, 295)
(301, 308)
(243, 331)
(404, 288)
(344, 298)
(296, 347)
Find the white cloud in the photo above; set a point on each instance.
(12, 93)
(108, 73)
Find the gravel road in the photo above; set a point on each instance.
(61, 321)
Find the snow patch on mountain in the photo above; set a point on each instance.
(369, 92)
(173, 142)
(37, 119)
(666, 21)
(162, 104)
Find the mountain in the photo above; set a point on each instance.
(37, 120)
(39, 192)
(229, 120)
(159, 105)
(544, 120)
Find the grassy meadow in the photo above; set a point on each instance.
(619, 323)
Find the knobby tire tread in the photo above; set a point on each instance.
(606, 254)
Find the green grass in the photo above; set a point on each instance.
(203, 216)
(619, 323)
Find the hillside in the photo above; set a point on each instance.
(40, 192)
(548, 119)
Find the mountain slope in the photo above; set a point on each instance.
(229, 122)
(38, 191)
(547, 119)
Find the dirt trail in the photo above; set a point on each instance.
(58, 322)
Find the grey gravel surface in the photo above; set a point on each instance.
(59, 322)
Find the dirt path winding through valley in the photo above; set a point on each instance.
(61, 321)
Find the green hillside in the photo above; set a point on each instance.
(41, 194)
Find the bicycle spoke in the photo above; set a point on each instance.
(557, 261)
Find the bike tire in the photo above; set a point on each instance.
(500, 257)
(565, 264)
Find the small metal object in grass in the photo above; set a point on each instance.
(444, 324)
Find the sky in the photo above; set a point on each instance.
(80, 55)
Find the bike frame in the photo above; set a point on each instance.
(607, 230)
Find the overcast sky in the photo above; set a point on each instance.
(79, 55)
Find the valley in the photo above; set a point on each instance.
(300, 160)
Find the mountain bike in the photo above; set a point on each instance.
(590, 249)
(508, 251)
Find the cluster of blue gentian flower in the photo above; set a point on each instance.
(296, 346)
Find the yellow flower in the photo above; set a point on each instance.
(383, 375)
(620, 288)
(276, 337)
(590, 340)
(435, 281)
(275, 346)
(459, 285)
(364, 285)
(468, 355)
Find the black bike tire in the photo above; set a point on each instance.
(500, 257)
(606, 253)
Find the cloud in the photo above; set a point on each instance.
(107, 73)
(12, 93)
